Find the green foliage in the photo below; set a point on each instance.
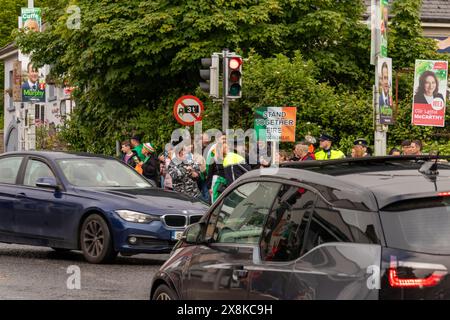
(406, 44)
(132, 59)
(47, 138)
(281, 81)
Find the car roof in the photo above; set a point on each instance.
(54, 155)
(389, 179)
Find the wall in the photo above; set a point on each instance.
(9, 114)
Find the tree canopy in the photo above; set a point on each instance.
(130, 60)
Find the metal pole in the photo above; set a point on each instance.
(30, 3)
(380, 129)
(225, 102)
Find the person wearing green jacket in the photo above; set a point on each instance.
(137, 147)
(325, 152)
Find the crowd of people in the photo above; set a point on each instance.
(181, 170)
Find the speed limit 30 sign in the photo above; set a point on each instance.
(187, 110)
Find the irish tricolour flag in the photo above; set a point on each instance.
(275, 123)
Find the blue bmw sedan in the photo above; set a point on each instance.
(87, 202)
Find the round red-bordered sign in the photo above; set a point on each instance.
(187, 110)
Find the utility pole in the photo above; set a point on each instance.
(380, 132)
(225, 102)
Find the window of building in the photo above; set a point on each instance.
(39, 113)
(11, 85)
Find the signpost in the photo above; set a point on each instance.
(187, 110)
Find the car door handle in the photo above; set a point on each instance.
(239, 274)
(21, 195)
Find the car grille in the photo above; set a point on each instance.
(194, 219)
(175, 220)
(180, 221)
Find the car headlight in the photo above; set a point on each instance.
(137, 217)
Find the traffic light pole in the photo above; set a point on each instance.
(225, 102)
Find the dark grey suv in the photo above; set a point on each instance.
(370, 228)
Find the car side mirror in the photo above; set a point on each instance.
(47, 182)
(192, 234)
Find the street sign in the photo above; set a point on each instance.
(187, 110)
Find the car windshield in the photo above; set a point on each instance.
(420, 225)
(98, 172)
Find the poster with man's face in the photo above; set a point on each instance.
(33, 83)
(430, 88)
(385, 101)
(31, 19)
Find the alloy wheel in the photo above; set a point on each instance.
(163, 296)
(94, 238)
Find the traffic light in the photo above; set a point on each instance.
(211, 74)
(233, 76)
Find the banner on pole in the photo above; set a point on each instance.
(430, 88)
(383, 23)
(275, 123)
(384, 90)
(31, 19)
(33, 83)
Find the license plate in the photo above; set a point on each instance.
(176, 235)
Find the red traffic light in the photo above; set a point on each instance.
(235, 63)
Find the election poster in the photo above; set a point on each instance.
(430, 88)
(31, 19)
(33, 83)
(383, 22)
(275, 123)
(384, 82)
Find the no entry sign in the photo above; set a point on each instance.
(187, 110)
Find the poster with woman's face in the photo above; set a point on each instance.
(430, 89)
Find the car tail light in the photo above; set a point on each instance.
(435, 273)
(430, 281)
(444, 194)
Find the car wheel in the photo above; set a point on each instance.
(96, 241)
(163, 292)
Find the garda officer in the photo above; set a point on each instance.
(325, 152)
(360, 148)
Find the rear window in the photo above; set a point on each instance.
(421, 225)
